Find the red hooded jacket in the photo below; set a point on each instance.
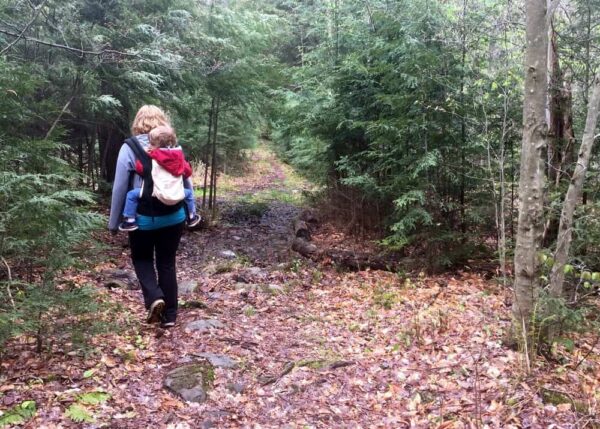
(171, 159)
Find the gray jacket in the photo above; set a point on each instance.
(125, 165)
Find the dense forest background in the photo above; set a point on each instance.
(407, 113)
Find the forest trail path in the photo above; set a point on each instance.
(359, 347)
(294, 344)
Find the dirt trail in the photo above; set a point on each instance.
(301, 345)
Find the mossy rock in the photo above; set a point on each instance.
(555, 397)
(191, 381)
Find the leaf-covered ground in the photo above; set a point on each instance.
(313, 347)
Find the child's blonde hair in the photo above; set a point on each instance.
(148, 118)
(163, 136)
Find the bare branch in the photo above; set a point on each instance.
(35, 15)
(62, 112)
(68, 48)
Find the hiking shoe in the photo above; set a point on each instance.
(167, 325)
(155, 311)
(128, 226)
(193, 221)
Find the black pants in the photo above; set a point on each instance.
(159, 282)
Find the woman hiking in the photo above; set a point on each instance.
(154, 244)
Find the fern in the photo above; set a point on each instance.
(94, 398)
(19, 414)
(79, 414)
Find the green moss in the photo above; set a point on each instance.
(313, 364)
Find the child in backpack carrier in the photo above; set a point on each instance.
(168, 156)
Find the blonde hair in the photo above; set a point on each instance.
(163, 136)
(148, 118)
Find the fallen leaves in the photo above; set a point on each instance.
(362, 349)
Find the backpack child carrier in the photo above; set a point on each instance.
(167, 188)
(158, 198)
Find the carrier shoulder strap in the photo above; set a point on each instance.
(140, 154)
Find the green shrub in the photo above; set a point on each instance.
(44, 218)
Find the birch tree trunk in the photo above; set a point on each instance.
(531, 180)
(574, 192)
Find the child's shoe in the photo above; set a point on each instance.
(193, 221)
(128, 225)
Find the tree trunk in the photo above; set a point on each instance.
(213, 162)
(574, 192)
(555, 122)
(207, 151)
(560, 134)
(215, 171)
(531, 180)
(91, 150)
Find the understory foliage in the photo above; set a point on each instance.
(44, 217)
(72, 76)
(407, 110)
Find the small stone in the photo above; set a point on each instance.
(215, 295)
(236, 387)
(274, 289)
(188, 287)
(117, 278)
(204, 325)
(250, 275)
(219, 361)
(228, 254)
(191, 381)
(244, 286)
(236, 238)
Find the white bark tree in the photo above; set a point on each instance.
(574, 192)
(532, 178)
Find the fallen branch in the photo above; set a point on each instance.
(340, 364)
(345, 258)
(302, 229)
(270, 378)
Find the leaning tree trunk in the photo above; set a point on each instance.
(560, 133)
(574, 192)
(531, 180)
